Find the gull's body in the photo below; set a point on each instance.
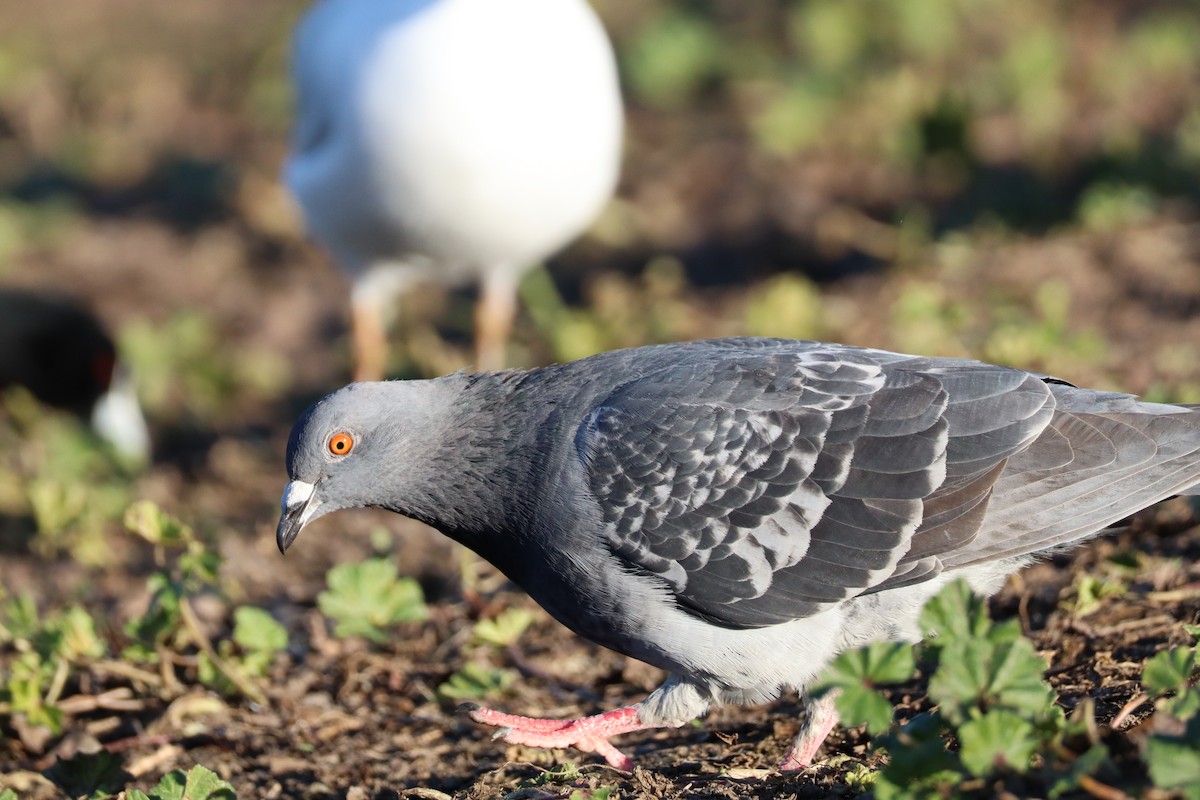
(739, 511)
(456, 141)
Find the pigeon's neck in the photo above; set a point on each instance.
(481, 463)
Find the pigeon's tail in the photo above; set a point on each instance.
(1194, 489)
(1096, 463)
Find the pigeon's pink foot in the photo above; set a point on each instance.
(589, 734)
(822, 716)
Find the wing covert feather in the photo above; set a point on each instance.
(761, 485)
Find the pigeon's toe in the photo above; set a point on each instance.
(589, 734)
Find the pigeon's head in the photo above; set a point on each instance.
(349, 450)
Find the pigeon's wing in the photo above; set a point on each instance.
(762, 486)
(1103, 457)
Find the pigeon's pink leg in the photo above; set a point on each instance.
(819, 721)
(589, 734)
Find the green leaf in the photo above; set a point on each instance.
(1175, 760)
(204, 784)
(1007, 631)
(75, 634)
(920, 765)
(171, 786)
(209, 675)
(133, 794)
(89, 774)
(1087, 764)
(1184, 705)
(599, 793)
(955, 613)
(877, 663)
(1090, 591)
(858, 705)
(29, 672)
(20, 618)
(505, 629)
(199, 568)
(1169, 670)
(367, 598)
(254, 629)
(162, 618)
(984, 675)
(8, 794)
(856, 672)
(154, 525)
(475, 681)
(671, 56)
(997, 740)
(199, 783)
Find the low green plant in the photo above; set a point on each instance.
(1172, 751)
(1041, 337)
(671, 57)
(504, 629)
(368, 598)
(92, 775)
(198, 783)
(1090, 592)
(257, 639)
(599, 793)
(170, 624)
(476, 681)
(788, 306)
(184, 372)
(991, 700)
(57, 473)
(165, 624)
(47, 650)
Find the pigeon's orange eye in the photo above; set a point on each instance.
(341, 444)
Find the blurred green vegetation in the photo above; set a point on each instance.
(943, 86)
(186, 373)
(60, 486)
(921, 137)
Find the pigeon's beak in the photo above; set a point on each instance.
(299, 504)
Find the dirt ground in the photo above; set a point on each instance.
(345, 720)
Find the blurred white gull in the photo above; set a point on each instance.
(456, 141)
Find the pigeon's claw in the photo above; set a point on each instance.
(821, 718)
(589, 734)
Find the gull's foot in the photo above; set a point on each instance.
(822, 716)
(589, 734)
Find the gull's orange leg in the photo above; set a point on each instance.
(494, 317)
(368, 340)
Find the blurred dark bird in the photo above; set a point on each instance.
(60, 352)
(739, 511)
(457, 141)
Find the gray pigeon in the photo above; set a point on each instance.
(739, 511)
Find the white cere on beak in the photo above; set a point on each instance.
(296, 495)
